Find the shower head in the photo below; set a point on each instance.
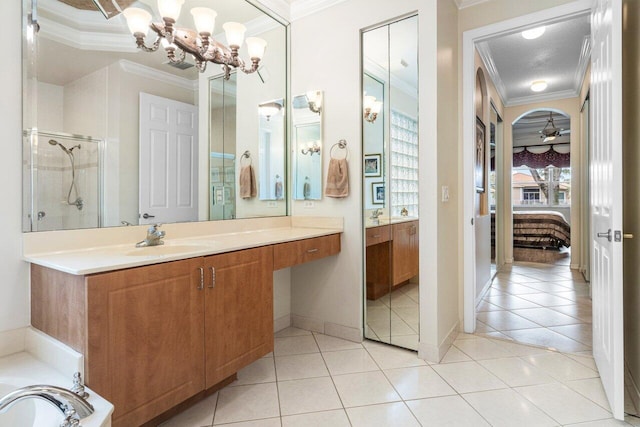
(62, 147)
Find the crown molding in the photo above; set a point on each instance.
(552, 96)
(487, 58)
(302, 8)
(583, 63)
(468, 3)
(382, 74)
(86, 40)
(155, 74)
(282, 8)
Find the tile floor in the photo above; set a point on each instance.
(541, 304)
(316, 380)
(394, 318)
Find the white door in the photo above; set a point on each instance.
(606, 198)
(168, 160)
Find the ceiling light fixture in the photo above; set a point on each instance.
(550, 131)
(371, 108)
(314, 100)
(198, 43)
(534, 33)
(538, 85)
(269, 109)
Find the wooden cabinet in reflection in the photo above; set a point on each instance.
(392, 257)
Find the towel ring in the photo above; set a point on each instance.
(246, 155)
(342, 145)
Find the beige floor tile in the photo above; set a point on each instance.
(582, 332)
(246, 403)
(366, 388)
(487, 306)
(395, 414)
(467, 377)
(511, 302)
(547, 338)
(481, 349)
(512, 410)
(505, 321)
(418, 383)
(308, 395)
(592, 389)
(335, 418)
(349, 361)
(410, 342)
(200, 414)
(446, 411)
(292, 332)
(560, 366)
(563, 404)
(547, 300)
(519, 349)
(482, 328)
(328, 343)
(300, 366)
(515, 289)
(494, 334)
(288, 346)
(390, 357)
(546, 317)
(260, 371)
(515, 372)
(268, 422)
(579, 311)
(602, 423)
(454, 354)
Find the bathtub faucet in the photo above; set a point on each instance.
(73, 407)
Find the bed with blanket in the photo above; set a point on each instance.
(538, 229)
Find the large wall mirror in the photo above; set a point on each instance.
(116, 136)
(390, 182)
(307, 146)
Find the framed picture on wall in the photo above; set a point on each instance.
(480, 165)
(372, 165)
(377, 193)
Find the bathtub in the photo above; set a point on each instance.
(26, 370)
(29, 412)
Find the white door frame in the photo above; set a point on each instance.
(469, 38)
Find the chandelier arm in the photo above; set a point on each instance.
(142, 46)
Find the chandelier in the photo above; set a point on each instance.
(372, 108)
(177, 42)
(550, 131)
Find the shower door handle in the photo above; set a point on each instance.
(147, 216)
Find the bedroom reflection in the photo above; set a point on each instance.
(390, 182)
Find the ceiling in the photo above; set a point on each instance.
(527, 130)
(560, 57)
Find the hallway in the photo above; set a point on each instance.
(540, 304)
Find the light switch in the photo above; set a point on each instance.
(445, 193)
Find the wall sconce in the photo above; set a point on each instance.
(269, 109)
(314, 98)
(371, 108)
(312, 148)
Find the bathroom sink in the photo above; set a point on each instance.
(163, 250)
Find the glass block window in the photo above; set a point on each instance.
(404, 164)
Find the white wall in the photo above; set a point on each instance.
(14, 284)
(50, 107)
(328, 294)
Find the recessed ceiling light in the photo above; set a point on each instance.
(538, 86)
(533, 33)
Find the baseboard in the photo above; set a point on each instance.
(434, 354)
(631, 387)
(307, 323)
(345, 332)
(282, 322)
(54, 353)
(575, 267)
(12, 341)
(484, 290)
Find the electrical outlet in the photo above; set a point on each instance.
(445, 193)
(309, 204)
(272, 205)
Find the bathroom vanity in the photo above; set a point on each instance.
(156, 336)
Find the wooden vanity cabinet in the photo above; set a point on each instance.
(238, 311)
(405, 254)
(145, 347)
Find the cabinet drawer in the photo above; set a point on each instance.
(377, 235)
(301, 251)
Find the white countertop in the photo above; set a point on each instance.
(115, 257)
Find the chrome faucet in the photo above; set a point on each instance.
(376, 213)
(154, 237)
(73, 407)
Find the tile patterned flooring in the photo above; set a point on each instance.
(540, 304)
(395, 317)
(315, 380)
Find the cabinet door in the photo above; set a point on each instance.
(238, 311)
(405, 251)
(146, 338)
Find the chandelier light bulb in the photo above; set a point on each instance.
(235, 33)
(369, 101)
(534, 33)
(377, 106)
(256, 47)
(138, 20)
(170, 8)
(538, 86)
(204, 19)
